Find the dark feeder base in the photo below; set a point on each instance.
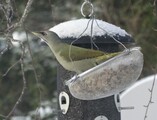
(82, 109)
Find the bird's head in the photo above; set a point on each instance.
(47, 36)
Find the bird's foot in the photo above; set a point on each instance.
(127, 51)
(73, 79)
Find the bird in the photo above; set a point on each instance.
(73, 58)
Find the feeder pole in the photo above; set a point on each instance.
(74, 109)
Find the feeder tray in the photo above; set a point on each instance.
(108, 78)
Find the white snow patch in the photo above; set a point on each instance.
(42, 111)
(21, 118)
(19, 36)
(75, 28)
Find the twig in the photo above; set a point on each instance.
(9, 37)
(8, 12)
(24, 16)
(34, 70)
(154, 6)
(155, 29)
(26, 11)
(2, 116)
(24, 84)
(4, 50)
(11, 67)
(154, 3)
(150, 99)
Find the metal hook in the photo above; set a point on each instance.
(87, 2)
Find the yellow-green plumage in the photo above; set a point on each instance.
(71, 57)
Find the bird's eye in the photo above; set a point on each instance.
(43, 33)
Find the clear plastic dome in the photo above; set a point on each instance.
(108, 78)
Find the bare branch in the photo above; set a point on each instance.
(154, 3)
(8, 37)
(24, 16)
(155, 29)
(24, 83)
(34, 70)
(150, 99)
(26, 11)
(11, 67)
(2, 116)
(3, 50)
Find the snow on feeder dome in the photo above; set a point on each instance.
(111, 76)
(101, 31)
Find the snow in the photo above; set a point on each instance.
(21, 118)
(19, 36)
(75, 28)
(138, 96)
(43, 111)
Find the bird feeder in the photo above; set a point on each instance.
(108, 78)
(87, 88)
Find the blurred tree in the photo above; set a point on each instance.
(137, 17)
(11, 84)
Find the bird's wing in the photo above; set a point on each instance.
(105, 57)
(78, 53)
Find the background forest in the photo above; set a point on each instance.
(137, 17)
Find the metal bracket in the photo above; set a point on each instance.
(118, 105)
(64, 102)
(101, 117)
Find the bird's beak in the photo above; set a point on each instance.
(36, 34)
